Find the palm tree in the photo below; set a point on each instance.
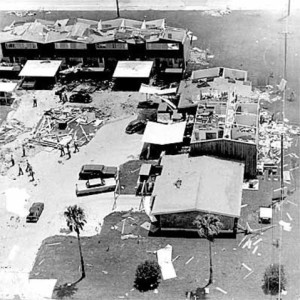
(75, 218)
(209, 227)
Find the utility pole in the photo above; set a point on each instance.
(118, 10)
(282, 143)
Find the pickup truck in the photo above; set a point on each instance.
(95, 186)
(97, 171)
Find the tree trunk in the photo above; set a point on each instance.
(81, 257)
(210, 281)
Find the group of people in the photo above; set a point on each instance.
(68, 152)
(28, 169)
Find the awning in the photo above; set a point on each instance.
(133, 69)
(146, 89)
(7, 87)
(40, 68)
(161, 134)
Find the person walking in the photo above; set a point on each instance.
(12, 160)
(23, 150)
(62, 150)
(31, 173)
(20, 170)
(34, 102)
(68, 152)
(76, 149)
(28, 166)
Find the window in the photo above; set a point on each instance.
(78, 46)
(21, 45)
(110, 46)
(211, 135)
(162, 46)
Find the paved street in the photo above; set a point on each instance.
(20, 241)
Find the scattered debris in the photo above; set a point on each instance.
(189, 260)
(286, 226)
(254, 250)
(221, 290)
(256, 242)
(164, 257)
(288, 215)
(62, 125)
(129, 236)
(245, 266)
(248, 274)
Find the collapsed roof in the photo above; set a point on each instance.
(91, 31)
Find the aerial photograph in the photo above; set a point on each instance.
(149, 150)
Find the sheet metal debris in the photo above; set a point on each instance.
(66, 124)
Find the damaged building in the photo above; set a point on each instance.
(226, 115)
(97, 44)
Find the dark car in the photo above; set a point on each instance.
(97, 171)
(136, 126)
(35, 212)
(81, 97)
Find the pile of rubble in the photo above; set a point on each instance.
(270, 130)
(62, 125)
(199, 56)
(10, 131)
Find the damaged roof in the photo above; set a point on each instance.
(91, 31)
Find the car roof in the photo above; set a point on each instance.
(92, 167)
(37, 204)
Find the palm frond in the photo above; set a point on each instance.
(208, 226)
(75, 218)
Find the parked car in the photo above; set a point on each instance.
(97, 171)
(95, 186)
(136, 126)
(35, 212)
(81, 97)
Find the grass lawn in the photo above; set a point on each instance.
(111, 264)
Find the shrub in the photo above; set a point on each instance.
(271, 280)
(147, 276)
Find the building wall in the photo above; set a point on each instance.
(132, 52)
(185, 221)
(229, 149)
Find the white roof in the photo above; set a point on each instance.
(201, 183)
(161, 134)
(147, 89)
(40, 68)
(7, 87)
(133, 69)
